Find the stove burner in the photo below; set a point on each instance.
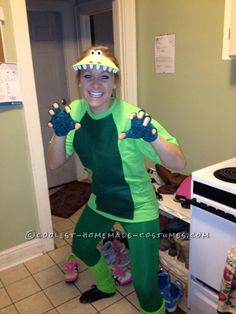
(226, 174)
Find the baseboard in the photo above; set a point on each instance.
(20, 253)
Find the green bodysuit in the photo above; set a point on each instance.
(121, 187)
(121, 191)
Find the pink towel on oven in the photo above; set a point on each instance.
(227, 295)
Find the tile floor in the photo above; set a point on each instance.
(37, 286)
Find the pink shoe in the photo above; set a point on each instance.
(122, 277)
(122, 260)
(71, 271)
(107, 249)
(118, 246)
(115, 253)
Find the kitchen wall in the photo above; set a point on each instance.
(198, 102)
(17, 198)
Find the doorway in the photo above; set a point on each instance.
(50, 79)
(49, 54)
(125, 49)
(98, 23)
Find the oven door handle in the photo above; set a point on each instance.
(201, 205)
(213, 210)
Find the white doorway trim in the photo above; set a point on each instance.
(124, 26)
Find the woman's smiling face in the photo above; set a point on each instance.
(96, 87)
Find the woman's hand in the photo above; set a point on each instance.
(62, 123)
(170, 154)
(141, 127)
(61, 120)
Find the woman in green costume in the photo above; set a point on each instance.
(112, 139)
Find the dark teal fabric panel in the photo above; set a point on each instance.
(96, 143)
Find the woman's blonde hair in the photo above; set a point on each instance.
(107, 52)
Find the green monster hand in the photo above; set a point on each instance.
(141, 127)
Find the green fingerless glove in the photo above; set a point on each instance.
(138, 130)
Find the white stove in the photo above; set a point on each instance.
(208, 189)
(213, 232)
(206, 176)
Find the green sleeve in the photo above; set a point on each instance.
(69, 143)
(147, 149)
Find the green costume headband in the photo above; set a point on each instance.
(96, 60)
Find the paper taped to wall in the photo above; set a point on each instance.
(10, 91)
(165, 53)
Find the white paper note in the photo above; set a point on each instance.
(10, 91)
(165, 53)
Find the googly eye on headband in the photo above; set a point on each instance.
(96, 60)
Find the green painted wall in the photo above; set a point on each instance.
(198, 102)
(17, 201)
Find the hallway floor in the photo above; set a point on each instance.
(37, 286)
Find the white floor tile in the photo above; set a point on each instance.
(61, 293)
(125, 290)
(4, 298)
(35, 304)
(85, 281)
(22, 289)
(74, 307)
(133, 299)
(9, 310)
(40, 263)
(104, 303)
(122, 306)
(60, 255)
(13, 274)
(49, 277)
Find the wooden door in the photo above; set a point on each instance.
(51, 84)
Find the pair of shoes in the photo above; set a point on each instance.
(114, 253)
(71, 271)
(108, 252)
(93, 295)
(121, 277)
(182, 244)
(185, 251)
(167, 242)
(118, 246)
(170, 291)
(164, 244)
(122, 260)
(163, 223)
(174, 295)
(172, 249)
(112, 246)
(163, 282)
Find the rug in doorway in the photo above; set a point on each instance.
(67, 200)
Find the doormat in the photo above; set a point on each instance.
(67, 200)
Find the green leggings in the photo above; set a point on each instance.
(143, 249)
